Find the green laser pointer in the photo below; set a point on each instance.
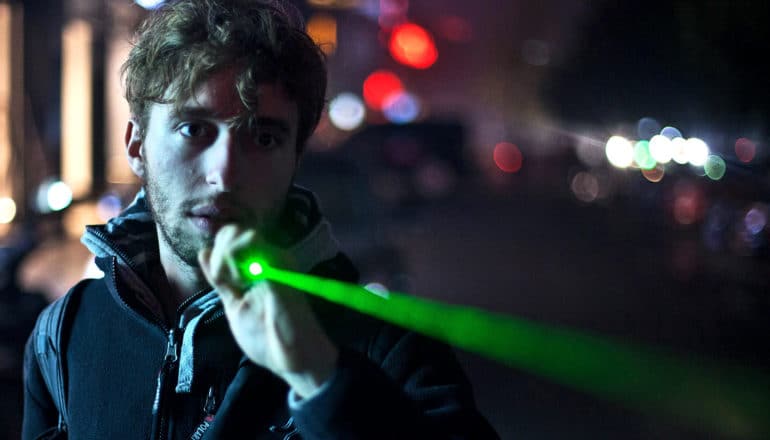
(255, 269)
(729, 400)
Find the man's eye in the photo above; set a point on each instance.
(193, 129)
(267, 141)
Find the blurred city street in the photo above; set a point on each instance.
(604, 270)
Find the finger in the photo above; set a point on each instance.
(238, 250)
(204, 255)
(204, 260)
(218, 256)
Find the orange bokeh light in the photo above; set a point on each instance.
(412, 45)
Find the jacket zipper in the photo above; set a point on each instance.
(162, 391)
(159, 410)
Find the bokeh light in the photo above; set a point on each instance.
(697, 151)
(401, 107)
(390, 12)
(745, 149)
(647, 128)
(322, 28)
(150, 4)
(755, 219)
(53, 195)
(715, 167)
(59, 196)
(7, 210)
(619, 152)
(642, 155)
(671, 132)
(108, 206)
(590, 151)
(378, 289)
(585, 186)
(378, 86)
(679, 153)
(412, 45)
(455, 29)
(347, 111)
(661, 148)
(688, 206)
(508, 157)
(654, 175)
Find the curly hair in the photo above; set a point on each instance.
(185, 41)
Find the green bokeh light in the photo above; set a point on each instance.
(642, 155)
(727, 400)
(715, 167)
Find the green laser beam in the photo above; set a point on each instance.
(730, 400)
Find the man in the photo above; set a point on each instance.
(173, 342)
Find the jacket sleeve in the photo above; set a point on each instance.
(40, 414)
(405, 386)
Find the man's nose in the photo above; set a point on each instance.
(223, 162)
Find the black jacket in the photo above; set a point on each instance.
(122, 359)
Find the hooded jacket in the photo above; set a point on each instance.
(133, 373)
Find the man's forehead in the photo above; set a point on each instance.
(217, 96)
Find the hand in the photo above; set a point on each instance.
(273, 324)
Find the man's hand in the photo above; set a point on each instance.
(273, 324)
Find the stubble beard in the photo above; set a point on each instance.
(181, 242)
(184, 243)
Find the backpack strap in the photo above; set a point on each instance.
(51, 323)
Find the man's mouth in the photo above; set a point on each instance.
(211, 217)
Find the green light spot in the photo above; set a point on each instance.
(255, 269)
(715, 167)
(642, 155)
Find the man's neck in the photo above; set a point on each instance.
(184, 280)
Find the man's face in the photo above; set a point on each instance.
(201, 171)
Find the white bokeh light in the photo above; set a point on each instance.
(679, 151)
(347, 111)
(619, 151)
(378, 289)
(59, 196)
(150, 4)
(697, 152)
(661, 149)
(7, 209)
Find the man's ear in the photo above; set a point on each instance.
(134, 148)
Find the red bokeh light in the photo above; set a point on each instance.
(688, 204)
(412, 45)
(745, 149)
(380, 85)
(454, 28)
(508, 157)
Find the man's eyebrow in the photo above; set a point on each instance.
(273, 122)
(193, 112)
